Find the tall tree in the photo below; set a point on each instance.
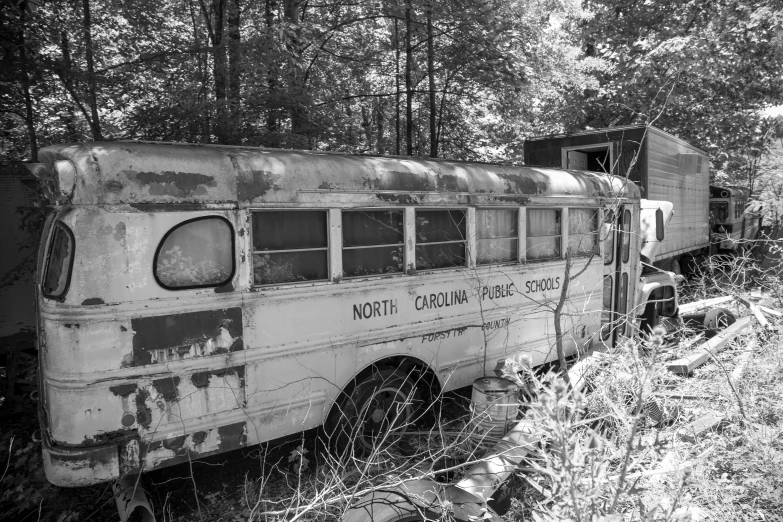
(95, 122)
(235, 72)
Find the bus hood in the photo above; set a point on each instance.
(655, 217)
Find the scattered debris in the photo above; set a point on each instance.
(690, 308)
(706, 350)
(702, 425)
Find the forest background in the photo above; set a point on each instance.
(457, 79)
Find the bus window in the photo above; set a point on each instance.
(583, 231)
(290, 246)
(196, 253)
(606, 313)
(543, 234)
(626, 235)
(58, 267)
(739, 207)
(440, 239)
(372, 242)
(622, 295)
(497, 237)
(607, 234)
(719, 211)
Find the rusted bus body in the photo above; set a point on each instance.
(733, 224)
(138, 374)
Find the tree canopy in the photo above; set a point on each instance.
(464, 79)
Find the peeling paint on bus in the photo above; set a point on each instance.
(259, 183)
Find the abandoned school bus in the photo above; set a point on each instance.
(733, 223)
(197, 299)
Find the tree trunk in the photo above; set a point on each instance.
(234, 74)
(397, 82)
(292, 11)
(215, 28)
(367, 125)
(408, 80)
(28, 101)
(431, 75)
(69, 118)
(558, 317)
(271, 78)
(379, 122)
(91, 87)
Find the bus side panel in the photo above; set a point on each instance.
(311, 345)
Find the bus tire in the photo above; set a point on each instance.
(716, 320)
(378, 410)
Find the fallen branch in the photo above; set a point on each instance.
(704, 351)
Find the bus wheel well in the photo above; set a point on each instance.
(345, 423)
(420, 372)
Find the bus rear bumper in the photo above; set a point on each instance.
(70, 467)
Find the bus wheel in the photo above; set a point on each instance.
(378, 411)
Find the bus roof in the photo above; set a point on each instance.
(150, 172)
(718, 192)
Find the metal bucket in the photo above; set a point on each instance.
(494, 404)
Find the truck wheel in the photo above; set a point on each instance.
(716, 320)
(379, 410)
(675, 267)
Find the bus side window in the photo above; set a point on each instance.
(194, 254)
(497, 238)
(373, 242)
(290, 246)
(583, 231)
(440, 239)
(57, 277)
(543, 234)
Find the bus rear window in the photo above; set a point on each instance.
(196, 253)
(290, 246)
(59, 263)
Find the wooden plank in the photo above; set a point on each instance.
(770, 311)
(694, 430)
(742, 362)
(756, 313)
(688, 308)
(682, 395)
(704, 351)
